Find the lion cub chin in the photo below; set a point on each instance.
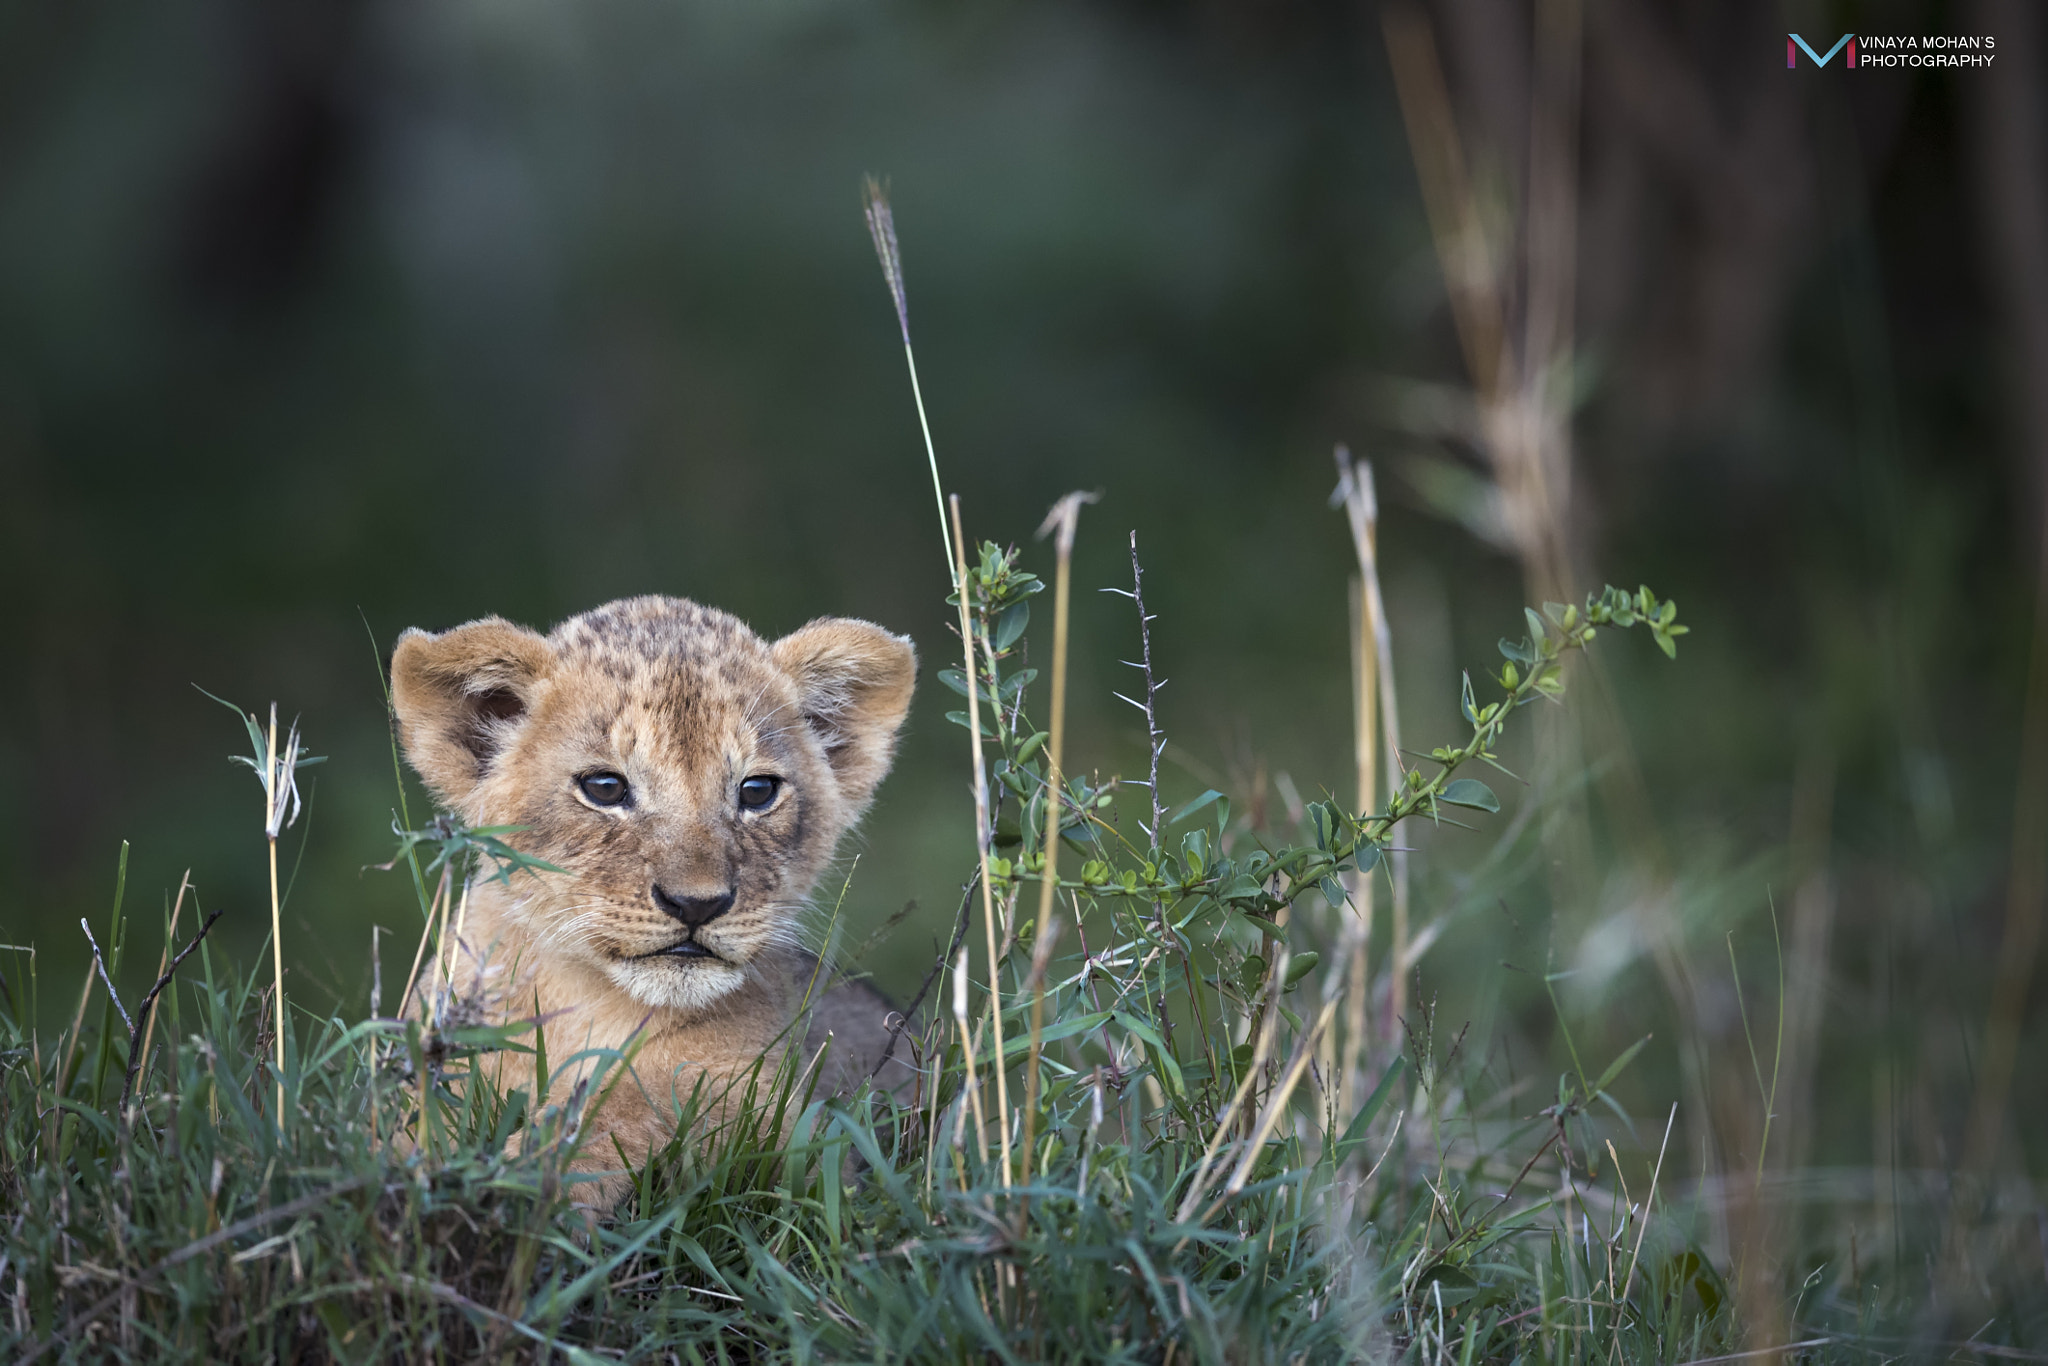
(691, 781)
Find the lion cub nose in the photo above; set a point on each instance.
(693, 911)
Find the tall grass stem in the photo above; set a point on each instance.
(981, 838)
(882, 227)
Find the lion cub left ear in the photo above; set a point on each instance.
(459, 695)
(854, 682)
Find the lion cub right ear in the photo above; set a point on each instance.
(459, 695)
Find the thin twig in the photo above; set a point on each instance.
(1762, 1352)
(1155, 740)
(1628, 1282)
(170, 936)
(101, 964)
(148, 1007)
(909, 1012)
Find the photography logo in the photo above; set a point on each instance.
(1794, 45)
(1896, 50)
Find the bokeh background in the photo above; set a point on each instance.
(320, 321)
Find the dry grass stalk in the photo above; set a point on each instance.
(981, 839)
(1356, 938)
(437, 909)
(882, 227)
(276, 925)
(973, 1088)
(1522, 392)
(1261, 1049)
(450, 945)
(170, 937)
(1276, 1104)
(1061, 522)
(1378, 719)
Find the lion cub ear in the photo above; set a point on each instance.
(854, 682)
(459, 694)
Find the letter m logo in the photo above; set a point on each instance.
(1794, 45)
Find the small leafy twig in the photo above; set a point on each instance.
(452, 839)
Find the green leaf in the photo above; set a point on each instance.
(1517, 650)
(1251, 974)
(1302, 965)
(1212, 795)
(1354, 1134)
(1031, 744)
(1010, 625)
(1053, 1031)
(1607, 1098)
(1245, 933)
(959, 718)
(1628, 1056)
(1162, 1057)
(1468, 707)
(1445, 1285)
(957, 681)
(1016, 683)
(1537, 631)
(1470, 792)
(1239, 888)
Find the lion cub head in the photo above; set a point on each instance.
(690, 779)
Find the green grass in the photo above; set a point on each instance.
(1189, 1185)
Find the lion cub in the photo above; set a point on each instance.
(691, 781)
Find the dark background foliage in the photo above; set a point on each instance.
(321, 321)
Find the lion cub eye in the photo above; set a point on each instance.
(758, 791)
(603, 789)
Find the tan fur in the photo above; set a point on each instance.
(685, 702)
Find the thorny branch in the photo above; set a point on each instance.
(1155, 744)
(1155, 741)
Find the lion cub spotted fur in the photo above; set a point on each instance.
(675, 925)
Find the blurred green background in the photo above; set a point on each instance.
(321, 321)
